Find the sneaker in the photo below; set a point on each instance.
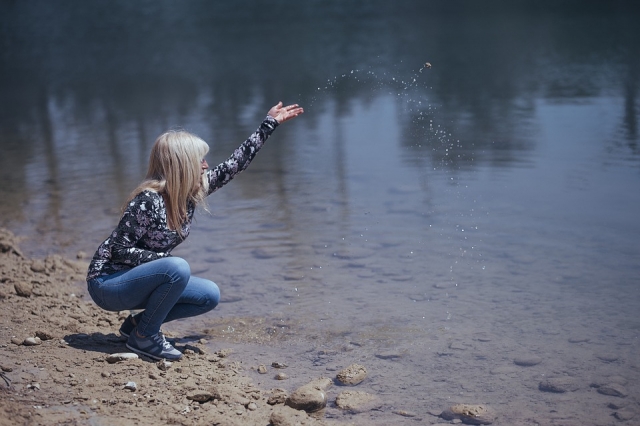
(127, 326)
(155, 346)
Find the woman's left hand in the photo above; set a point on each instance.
(285, 113)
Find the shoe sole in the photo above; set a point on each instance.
(156, 357)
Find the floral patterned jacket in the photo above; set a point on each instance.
(143, 235)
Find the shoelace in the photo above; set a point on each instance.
(162, 341)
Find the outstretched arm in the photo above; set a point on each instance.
(244, 154)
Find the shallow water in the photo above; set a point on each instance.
(456, 217)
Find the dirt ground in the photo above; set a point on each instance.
(54, 343)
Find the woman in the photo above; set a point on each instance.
(134, 269)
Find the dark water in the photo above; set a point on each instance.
(458, 216)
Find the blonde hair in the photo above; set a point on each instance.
(175, 172)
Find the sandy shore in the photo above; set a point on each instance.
(54, 344)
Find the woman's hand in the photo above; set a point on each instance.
(282, 114)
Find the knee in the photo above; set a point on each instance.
(213, 295)
(178, 268)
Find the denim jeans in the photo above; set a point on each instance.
(164, 288)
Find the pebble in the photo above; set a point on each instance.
(352, 375)
(262, 369)
(613, 389)
(617, 405)
(607, 357)
(131, 386)
(201, 396)
(164, 365)
(16, 341)
(32, 341)
(38, 266)
(44, 335)
(278, 365)
(357, 401)
(252, 406)
(558, 385)
(287, 416)
(624, 415)
(281, 376)
(23, 289)
(619, 380)
(278, 396)
(6, 369)
(527, 360)
(122, 356)
(310, 397)
(404, 413)
(389, 355)
(469, 414)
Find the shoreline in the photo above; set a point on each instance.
(54, 343)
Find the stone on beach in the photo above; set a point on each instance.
(32, 341)
(122, 356)
(132, 386)
(201, 396)
(287, 416)
(23, 289)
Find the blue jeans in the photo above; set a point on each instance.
(164, 288)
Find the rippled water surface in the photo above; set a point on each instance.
(432, 223)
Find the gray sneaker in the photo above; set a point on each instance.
(155, 346)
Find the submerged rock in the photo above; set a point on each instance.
(470, 414)
(527, 360)
(558, 385)
(613, 389)
(310, 397)
(357, 401)
(352, 375)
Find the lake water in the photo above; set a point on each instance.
(431, 223)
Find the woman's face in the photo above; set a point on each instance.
(204, 166)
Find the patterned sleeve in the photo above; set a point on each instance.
(242, 156)
(140, 218)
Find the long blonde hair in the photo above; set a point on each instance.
(175, 171)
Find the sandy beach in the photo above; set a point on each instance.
(54, 345)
